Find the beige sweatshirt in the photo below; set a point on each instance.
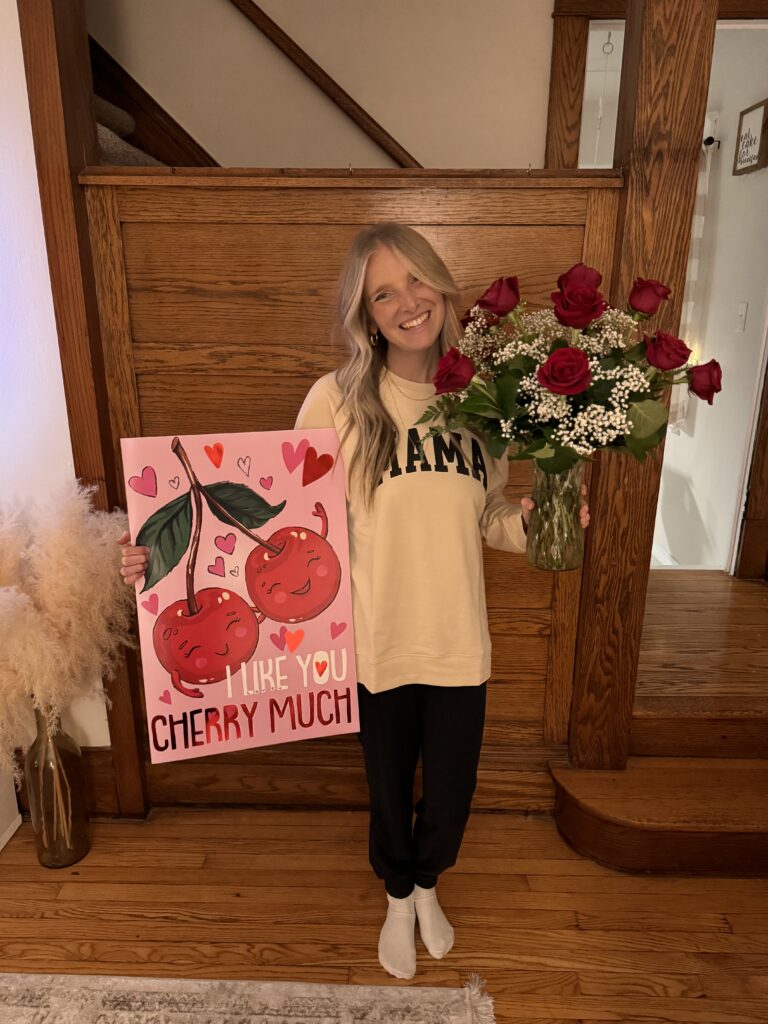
(416, 560)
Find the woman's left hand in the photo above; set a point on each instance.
(529, 504)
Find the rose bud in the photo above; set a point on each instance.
(566, 372)
(579, 302)
(647, 295)
(501, 297)
(665, 351)
(706, 380)
(454, 372)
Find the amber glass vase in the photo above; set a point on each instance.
(53, 775)
(555, 534)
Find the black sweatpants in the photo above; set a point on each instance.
(445, 725)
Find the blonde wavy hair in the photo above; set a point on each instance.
(358, 379)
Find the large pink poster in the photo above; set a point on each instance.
(245, 610)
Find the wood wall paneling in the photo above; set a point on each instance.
(212, 304)
(566, 91)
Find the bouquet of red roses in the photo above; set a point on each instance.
(555, 385)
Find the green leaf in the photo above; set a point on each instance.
(506, 389)
(479, 405)
(563, 459)
(601, 390)
(646, 417)
(166, 533)
(497, 445)
(242, 503)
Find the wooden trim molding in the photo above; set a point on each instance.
(599, 9)
(55, 47)
(323, 81)
(566, 91)
(661, 117)
(156, 133)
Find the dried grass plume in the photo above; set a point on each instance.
(65, 611)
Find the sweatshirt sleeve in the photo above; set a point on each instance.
(317, 410)
(501, 524)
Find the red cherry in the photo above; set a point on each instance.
(297, 583)
(198, 648)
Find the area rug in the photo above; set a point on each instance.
(92, 999)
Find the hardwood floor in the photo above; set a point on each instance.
(243, 893)
(704, 645)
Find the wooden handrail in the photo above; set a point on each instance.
(323, 81)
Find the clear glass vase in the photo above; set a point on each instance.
(555, 534)
(53, 776)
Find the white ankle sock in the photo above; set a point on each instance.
(397, 949)
(434, 927)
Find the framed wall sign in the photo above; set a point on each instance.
(752, 139)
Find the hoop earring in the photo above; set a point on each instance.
(373, 339)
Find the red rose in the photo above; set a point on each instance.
(665, 351)
(579, 302)
(501, 297)
(580, 274)
(454, 372)
(706, 380)
(646, 296)
(566, 372)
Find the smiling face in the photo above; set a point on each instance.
(408, 312)
(299, 582)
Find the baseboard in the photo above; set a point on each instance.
(9, 832)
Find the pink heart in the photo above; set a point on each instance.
(278, 639)
(217, 569)
(337, 628)
(226, 544)
(165, 697)
(293, 457)
(266, 482)
(150, 604)
(146, 484)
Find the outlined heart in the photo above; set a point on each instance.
(226, 543)
(215, 453)
(266, 482)
(315, 466)
(292, 457)
(321, 666)
(174, 483)
(145, 484)
(165, 697)
(337, 628)
(278, 639)
(293, 639)
(235, 571)
(150, 604)
(217, 569)
(244, 463)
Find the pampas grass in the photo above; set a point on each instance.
(65, 611)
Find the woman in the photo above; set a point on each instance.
(416, 519)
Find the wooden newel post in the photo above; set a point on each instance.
(664, 83)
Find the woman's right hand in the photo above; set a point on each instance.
(134, 559)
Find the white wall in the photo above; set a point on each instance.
(35, 453)
(458, 83)
(701, 500)
(706, 457)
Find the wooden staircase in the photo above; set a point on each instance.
(693, 797)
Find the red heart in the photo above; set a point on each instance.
(321, 666)
(215, 453)
(315, 466)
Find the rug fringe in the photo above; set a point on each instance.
(480, 1003)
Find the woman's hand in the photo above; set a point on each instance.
(134, 559)
(529, 504)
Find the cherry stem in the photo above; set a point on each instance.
(178, 451)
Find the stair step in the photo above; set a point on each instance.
(698, 815)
